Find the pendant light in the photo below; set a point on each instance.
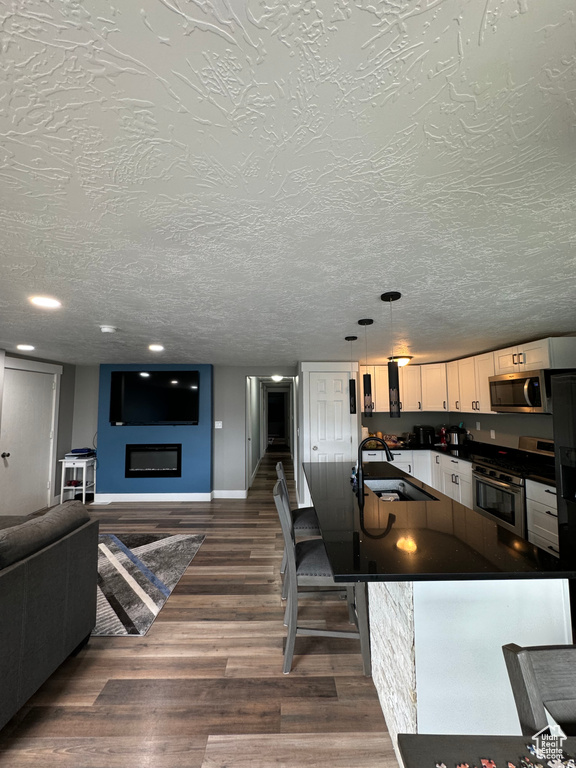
(351, 381)
(367, 379)
(393, 379)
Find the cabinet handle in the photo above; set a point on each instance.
(554, 550)
(514, 361)
(400, 404)
(453, 476)
(457, 405)
(409, 469)
(457, 480)
(454, 461)
(444, 404)
(437, 459)
(548, 512)
(477, 405)
(473, 405)
(419, 405)
(549, 491)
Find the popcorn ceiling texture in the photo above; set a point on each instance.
(240, 180)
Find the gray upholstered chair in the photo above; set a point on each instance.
(543, 678)
(307, 565)
(304, 520)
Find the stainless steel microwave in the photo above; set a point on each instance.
(521, 392)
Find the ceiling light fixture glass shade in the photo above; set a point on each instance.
(25, 347)
(276, 377)
(108, 328)
(156, 348)
(46, 302)
(401, 360)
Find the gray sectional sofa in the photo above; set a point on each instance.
(48, 577)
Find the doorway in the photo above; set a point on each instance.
(29, 412)
(270, 421)
(278, 436)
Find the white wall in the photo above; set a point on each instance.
(85, 420)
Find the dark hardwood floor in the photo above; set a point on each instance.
(204, 688)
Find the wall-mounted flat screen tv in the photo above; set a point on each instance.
(154, 397)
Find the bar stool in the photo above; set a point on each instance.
(307, 565)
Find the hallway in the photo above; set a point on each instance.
(204, 688)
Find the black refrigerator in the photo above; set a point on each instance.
(564, 418)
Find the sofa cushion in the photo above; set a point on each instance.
(34, 534)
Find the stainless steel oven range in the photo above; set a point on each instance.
(499, 496)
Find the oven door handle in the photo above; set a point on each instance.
(490, 481)
(526, 385)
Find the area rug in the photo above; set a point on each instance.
(136, 575)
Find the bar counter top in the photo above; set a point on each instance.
(415, 540)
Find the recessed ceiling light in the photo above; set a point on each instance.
(108, 328)
(156, 348)
(144, 374)
(194, 386)
(277, 378)
(46, 302)
(25, 347)
(174, 381)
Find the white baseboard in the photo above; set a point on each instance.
(230, 494)
(107, 498)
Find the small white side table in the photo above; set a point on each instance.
(88, 480)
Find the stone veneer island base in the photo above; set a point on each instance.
(437, 661)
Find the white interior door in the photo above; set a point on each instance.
(28, 408)
(330, 421)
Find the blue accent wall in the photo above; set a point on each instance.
(196, 441)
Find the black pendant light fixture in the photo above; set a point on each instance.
(351, 381)
(393, 379)
(367, 379)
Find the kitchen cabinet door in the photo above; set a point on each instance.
(467, 384)
(380, 390)
(505, 360)
(453, 386)
(436, 470)
(434, 393)
(422, 466)
(449, 487)
(410, 387)
(403, 460)
(534, 355)
(484, 367)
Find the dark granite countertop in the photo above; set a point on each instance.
(452, 541)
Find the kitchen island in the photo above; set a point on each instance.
(447, 588)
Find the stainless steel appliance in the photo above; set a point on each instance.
(499, 495)
(526, 392)
(456, 435)
(564, 389)
(424, 435)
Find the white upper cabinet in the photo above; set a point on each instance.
(434, 389)
(524, 357)
(453, 386)
(554, 352)
(410, 387)
(379, 382)
(474, 387)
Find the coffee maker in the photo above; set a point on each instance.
(456, 435)
(424, 436)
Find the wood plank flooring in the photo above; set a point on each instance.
(204, 688)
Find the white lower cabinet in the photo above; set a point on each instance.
(542, 516)
(404, 460)
(422, 466)
(453, 477)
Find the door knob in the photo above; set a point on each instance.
(5, 455)
(314, 447)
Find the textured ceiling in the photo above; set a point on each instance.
(241, 179)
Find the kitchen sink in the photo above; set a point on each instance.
(398, 489)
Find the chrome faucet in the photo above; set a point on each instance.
(360, 470)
